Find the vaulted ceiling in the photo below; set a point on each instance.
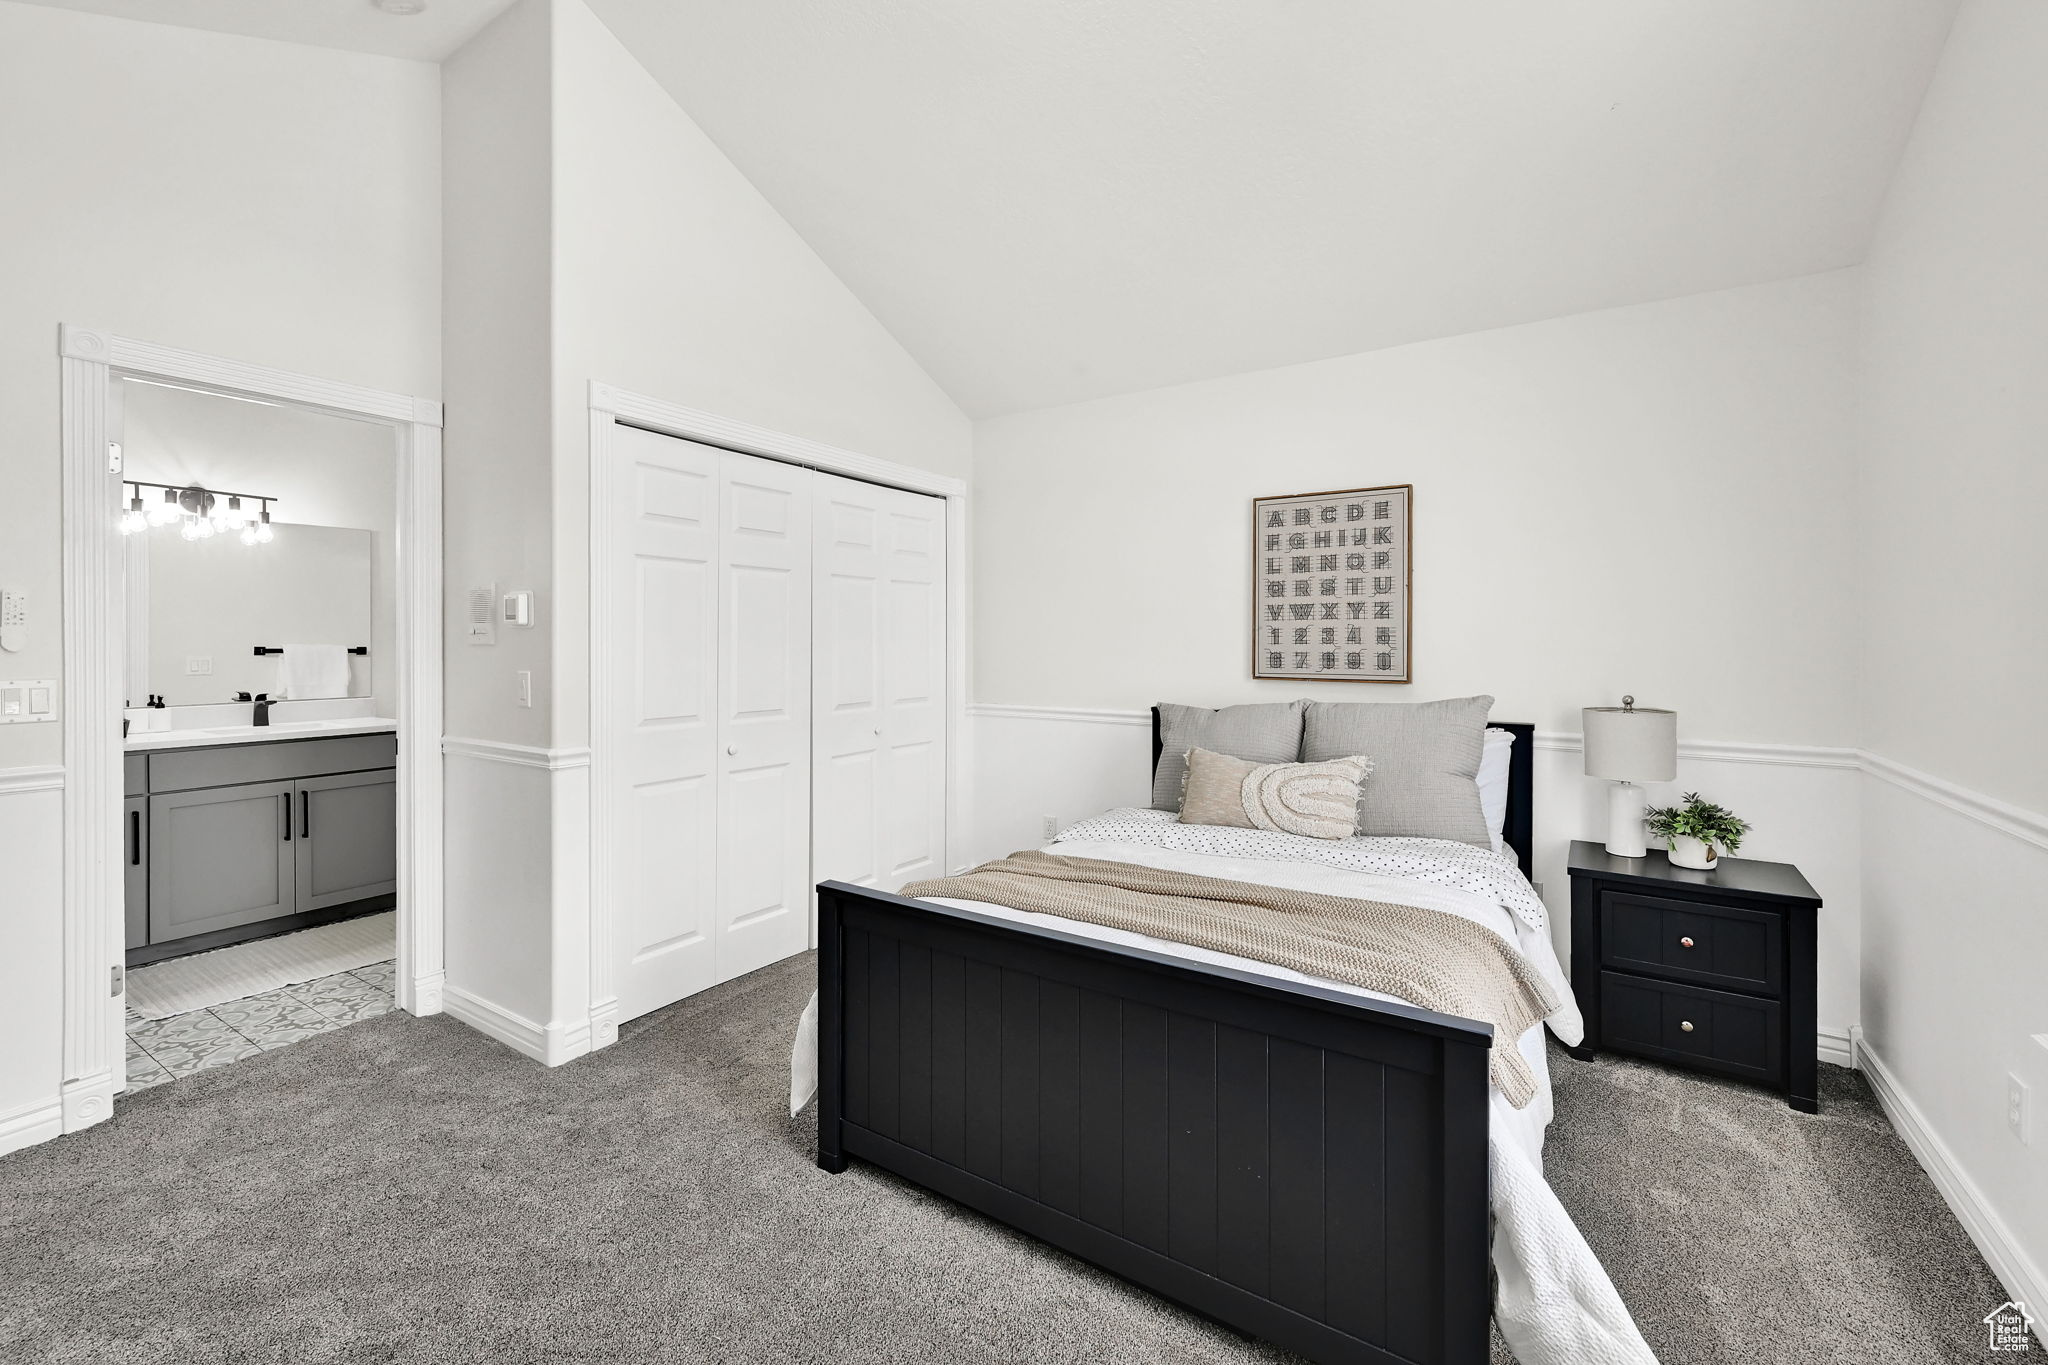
(1054, 200)
(350, 25)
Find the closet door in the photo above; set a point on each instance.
(764, 713)
(664, 721)
(879, 720)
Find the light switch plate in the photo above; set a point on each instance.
(28, 701)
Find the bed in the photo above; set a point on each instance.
(1301, 1161)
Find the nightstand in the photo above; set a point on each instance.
(1713, 971)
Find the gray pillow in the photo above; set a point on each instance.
(1425, 759)
(1268, 732)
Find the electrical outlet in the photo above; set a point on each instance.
(200, 664)
(1051, 828)
(2018, 1107)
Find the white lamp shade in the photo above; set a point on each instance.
(1632, 745)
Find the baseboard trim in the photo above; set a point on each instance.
(2022, 1279)
(550, 1045)
(31, 1124)
(518, 755)
(1837, 1045)
(38, 778)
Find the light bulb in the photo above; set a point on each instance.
(248, 535)
(189, 531)
(263, 533)
(132, 521)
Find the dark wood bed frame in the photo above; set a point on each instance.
(1298, 1164)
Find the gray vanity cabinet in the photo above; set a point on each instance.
(241, 841)
(220, 857)
(348, 844)
(135, 866)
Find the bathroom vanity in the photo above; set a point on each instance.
(233, 833)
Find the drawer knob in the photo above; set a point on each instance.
(1685, 942)
(1685, 1025)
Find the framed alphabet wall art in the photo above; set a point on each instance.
(1330, 585)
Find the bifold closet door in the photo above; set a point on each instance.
(710, 724)
(878, 814)
(764, 714)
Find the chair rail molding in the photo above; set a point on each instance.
(95, 634)
(610, 407)
(2029, 827)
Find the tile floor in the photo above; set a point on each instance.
(162, 1050)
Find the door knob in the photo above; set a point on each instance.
(732, 748)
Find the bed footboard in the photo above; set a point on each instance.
(1306, 1167)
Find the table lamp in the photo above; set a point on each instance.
(1630, 744)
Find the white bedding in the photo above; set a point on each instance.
(1554, 1302)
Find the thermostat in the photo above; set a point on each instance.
(518, 610)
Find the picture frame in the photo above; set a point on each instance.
(1333, 585)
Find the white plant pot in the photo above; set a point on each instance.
(1693, 853)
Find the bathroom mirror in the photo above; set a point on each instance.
(207, 605)
(200, 608)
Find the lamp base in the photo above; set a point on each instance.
(1626, 805)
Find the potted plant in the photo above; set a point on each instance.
(1699, 832)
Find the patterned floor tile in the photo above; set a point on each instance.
(185, 1043)
(381, 974)
(144, 1070)
(274, 1019)
(344, 998)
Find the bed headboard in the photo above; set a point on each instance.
(1520, 830)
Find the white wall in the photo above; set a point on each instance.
(253, 199)
(676, 279)
(595, 234)
(1954, 638)
(1565, 473)
(1569, 476)
(324, 470)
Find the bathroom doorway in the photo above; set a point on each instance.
(259, 731)
(251, 711)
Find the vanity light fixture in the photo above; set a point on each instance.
(200, 512)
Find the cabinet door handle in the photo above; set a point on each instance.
(1685, 1025)
(305, 815)
(135, 838)
(287, 815)
(1685, 942)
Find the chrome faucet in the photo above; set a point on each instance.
(262, 701)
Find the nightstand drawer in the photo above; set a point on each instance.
(1737, 1035)
(1714, 945)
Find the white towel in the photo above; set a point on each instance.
(310, 671)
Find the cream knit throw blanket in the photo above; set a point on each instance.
(1438, 961)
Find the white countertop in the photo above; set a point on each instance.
(200, 738)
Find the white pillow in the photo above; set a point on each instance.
(1493, 781)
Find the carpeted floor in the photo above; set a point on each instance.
(406, 1190)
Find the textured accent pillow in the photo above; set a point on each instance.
(1425, 761)
(1266, 732)
(1317, 800)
